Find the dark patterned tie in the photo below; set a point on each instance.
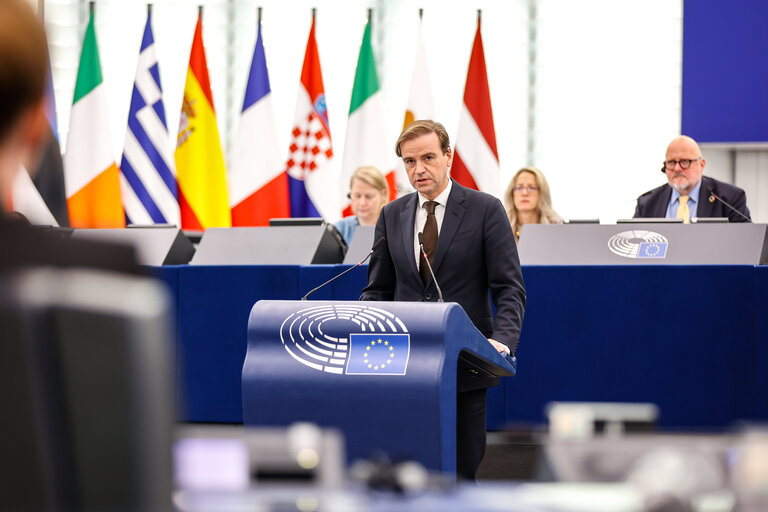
(430, 240)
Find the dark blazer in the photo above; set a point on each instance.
(654, 202)
(476, 252)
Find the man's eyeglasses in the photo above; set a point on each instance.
(684, 164)
(529, 188)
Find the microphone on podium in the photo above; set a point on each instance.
(429, 266)
(713, 196)
(375, 246)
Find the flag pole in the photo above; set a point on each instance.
(91, 6)
(149, 9)
(370, 14)
(479, 15)
(421, 14)
(314, 10)
(259, 15)
(200, 10)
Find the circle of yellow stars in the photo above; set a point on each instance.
(370, 346)
(652, 249)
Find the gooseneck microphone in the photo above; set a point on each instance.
(713, 196)
(373, 249)
(429, 266)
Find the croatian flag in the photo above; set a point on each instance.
(147, 171)
(312, 184)
(258, 184)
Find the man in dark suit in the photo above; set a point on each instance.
(689, 193)
(472, 249)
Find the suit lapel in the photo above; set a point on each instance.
(704, 208)
(407, 221)
(454, 212)
(660, 208)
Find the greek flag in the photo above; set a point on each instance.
(148, 174)
(378, 353)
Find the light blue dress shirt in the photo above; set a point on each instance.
(693, 202)
(346, 227)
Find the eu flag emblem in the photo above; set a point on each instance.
(378, 354)
(652, 250)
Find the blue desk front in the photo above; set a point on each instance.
(690, 339)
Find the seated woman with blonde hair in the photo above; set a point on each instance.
(528, 201)
(368, 193)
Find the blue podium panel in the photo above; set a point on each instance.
(382, 372)
(680, 337)
(214, 303)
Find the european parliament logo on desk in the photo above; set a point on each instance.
(639, 244)
(379, 354)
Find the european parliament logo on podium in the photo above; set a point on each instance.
(347, 339)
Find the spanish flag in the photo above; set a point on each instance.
(200, 170)
(91, 178)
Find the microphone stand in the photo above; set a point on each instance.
(429, 266)
(375, 246)
(713, 196)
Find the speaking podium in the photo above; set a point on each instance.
(384, 373)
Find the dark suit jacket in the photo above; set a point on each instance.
(476, 252)
(654, 202)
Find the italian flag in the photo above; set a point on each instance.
(366, 142)
(91, 177)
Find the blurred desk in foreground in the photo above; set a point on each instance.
(687, 338)
(489, 497)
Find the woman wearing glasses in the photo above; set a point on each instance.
(368, 193)
(528, 201)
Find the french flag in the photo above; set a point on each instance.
(258, 184)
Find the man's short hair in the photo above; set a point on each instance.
(23, 61)
(423, 127)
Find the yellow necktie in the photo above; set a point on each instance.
(682, 210)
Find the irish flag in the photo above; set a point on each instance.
(200, 171)
(366, 142)
(476, 160)
(91, 177)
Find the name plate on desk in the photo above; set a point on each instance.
(643, 244)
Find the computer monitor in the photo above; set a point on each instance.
(297, 221)
(650, 220)
(709, 220)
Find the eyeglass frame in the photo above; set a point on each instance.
(674, 163)
(529, 188)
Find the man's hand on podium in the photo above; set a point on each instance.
(502, 348)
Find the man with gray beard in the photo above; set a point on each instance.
(688, 193)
